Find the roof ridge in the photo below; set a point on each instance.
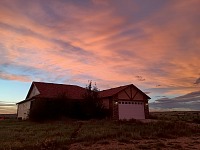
(116, 87)
(56, 84)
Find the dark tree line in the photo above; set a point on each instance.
(90, 107)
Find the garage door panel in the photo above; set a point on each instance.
(131, 110)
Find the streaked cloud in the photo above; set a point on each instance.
(7, 108)
(154, 45)
(8, 76)
(190, 101)
(197, 81)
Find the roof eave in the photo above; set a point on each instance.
(26, 100)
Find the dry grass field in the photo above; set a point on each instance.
(187, 116)
(101, 134)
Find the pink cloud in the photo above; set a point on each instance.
(7, 76)
(112, 46)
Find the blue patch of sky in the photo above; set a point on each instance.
(19, 70)
(13, 91)
(35, 73)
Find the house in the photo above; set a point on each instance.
(124, 102)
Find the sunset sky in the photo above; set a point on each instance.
(154, 44)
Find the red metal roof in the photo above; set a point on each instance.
(51, 90)
(112, 91)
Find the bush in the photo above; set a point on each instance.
(153, 117)
(44, 109)
(196, 120)
(93, 107)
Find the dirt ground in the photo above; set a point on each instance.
(184, 143)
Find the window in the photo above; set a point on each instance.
(119, 102)
(122, 102)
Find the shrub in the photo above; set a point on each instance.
(44, 109)
(151, 116)
(196, 120)
(93, 106)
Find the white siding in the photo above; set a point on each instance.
(33, 92)
(23, 110)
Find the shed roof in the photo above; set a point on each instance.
(51, 90)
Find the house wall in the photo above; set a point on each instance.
(124, 94)
(23, 110)
(139, 96)
(146, 109)
(106, 102)
(131, 94)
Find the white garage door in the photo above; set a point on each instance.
(131, 110)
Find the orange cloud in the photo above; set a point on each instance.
(108, 42)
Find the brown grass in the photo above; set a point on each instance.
(58, 134)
